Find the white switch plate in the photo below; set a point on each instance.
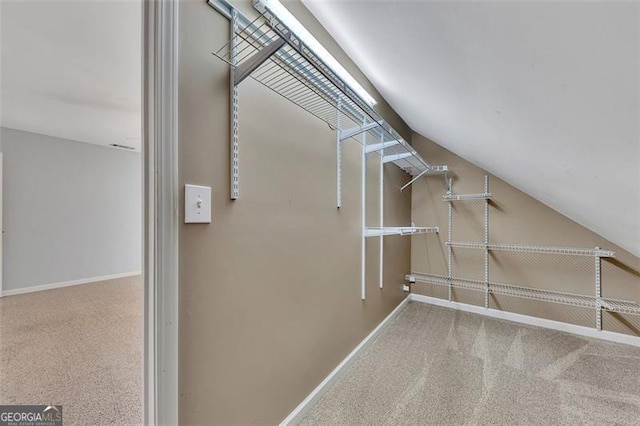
(197, 204)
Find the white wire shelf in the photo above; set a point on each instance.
(467, 197)
(403, 156)
(399, 230)
(270, 53)
(620, 306)
(569, 251)
(563, 298)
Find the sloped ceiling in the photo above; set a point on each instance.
(72, 69)
(544, 95)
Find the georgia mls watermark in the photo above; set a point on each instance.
(30, 415)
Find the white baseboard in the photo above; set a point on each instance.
(68, 283)
(301, 410)
(526, 319)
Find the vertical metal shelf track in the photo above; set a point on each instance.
(234, 125)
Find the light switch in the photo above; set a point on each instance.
(197, 204)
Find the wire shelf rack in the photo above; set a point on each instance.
(399, 230)
(467, 197)
(563, 298)
(266, 50)
(620, 306)
(568, 251)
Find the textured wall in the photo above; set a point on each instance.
(516, 218)
(270, 290)
(71, 210)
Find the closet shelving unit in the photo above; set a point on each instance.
(568, 251)
(268, 51)
(563, 298)
(596, 301)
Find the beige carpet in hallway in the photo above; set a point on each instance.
(436, 366)
(78, 346)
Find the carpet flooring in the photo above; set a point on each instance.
(78, 346)
(436, 366)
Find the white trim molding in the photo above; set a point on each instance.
(61, 284)
(1, 226)
(301, 410)
(529, 320)
(161, 212)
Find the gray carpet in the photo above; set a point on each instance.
(78, 346)
(436, 366)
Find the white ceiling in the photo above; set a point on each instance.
(544, 95)
(72, 69)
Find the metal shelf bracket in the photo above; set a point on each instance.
(251, 64)
(234, 125)
(355, 131)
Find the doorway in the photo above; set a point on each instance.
(72, 311)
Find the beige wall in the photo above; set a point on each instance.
(514, 218)
(270, 290)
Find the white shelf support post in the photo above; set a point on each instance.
(486, 243)
(338, 159)
(598, 280)
(363, 251)
(248, 66)
(381, 196)
(450, 238)
(234, 126)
